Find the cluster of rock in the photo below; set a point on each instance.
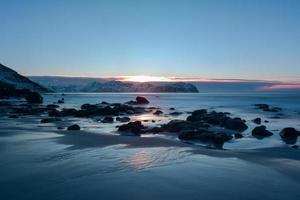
(267, 108)
(203, 126)
(214, 128)
(91, 110)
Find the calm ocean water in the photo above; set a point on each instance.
(37, 163)
(239, 104)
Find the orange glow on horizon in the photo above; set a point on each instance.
(146, 79)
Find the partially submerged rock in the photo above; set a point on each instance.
(236, 124)
(261, 132)
(132, 127)
(175, 113)
(158, 112)
(74, 127)
(205, 136)
(267, 108)
(289, 135)
(50, 120)
(141, 100)
(52, 106)
(107, 120)
(123, 119)
(257, 120)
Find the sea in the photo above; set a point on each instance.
(40, 162)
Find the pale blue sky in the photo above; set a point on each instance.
(252, 39)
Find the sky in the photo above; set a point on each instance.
(214, 39)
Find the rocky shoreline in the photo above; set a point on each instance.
(208, 127)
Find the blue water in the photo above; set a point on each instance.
(37, 162)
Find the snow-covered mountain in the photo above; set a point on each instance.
(11, 77)
(73, 84)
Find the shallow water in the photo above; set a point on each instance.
(238, 104)
(39, 162)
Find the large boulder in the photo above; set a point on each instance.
(34, 97)
(289, 135)
(74, 127)
(261, 132)
(141, 100)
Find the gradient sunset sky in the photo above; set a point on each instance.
(247, 39)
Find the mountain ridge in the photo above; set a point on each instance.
(13, 78)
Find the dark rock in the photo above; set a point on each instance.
(52, 106)
(88, 106)
(289, 135)
(257, 120)
(175, 113)
(68, 112)
(123, 119)
(235, 124)
(61, 101)
(295, 147)
(107, 120)
(178, 126)
(171, 108)
(133, 127)
(267, 108)
(261, 132)
(74, 127)
(220, 139)
(158, 112)
(50, 120)
(60, 128)
(238, 135)
(104, 102)
(266, 121)
(34, 97)
(53, 113)
(199, 112)
(13, 116)
(141, 100)
(205, 136)
(155, 130)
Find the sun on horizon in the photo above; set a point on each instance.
(146, 78)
